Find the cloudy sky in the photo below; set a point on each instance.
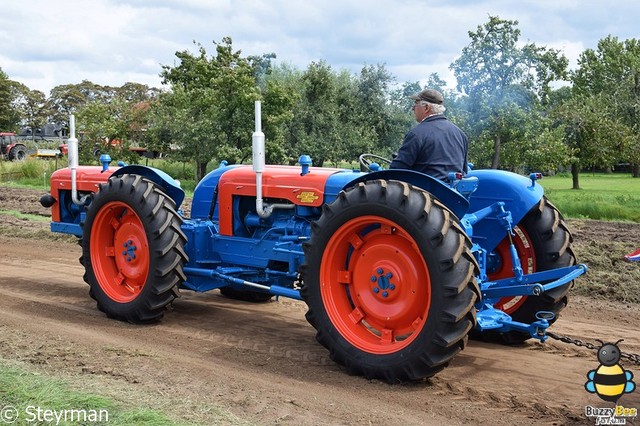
(45, 43)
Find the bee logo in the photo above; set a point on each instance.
(609, 381)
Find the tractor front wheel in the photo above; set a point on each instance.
(389, 281)
(133, 249)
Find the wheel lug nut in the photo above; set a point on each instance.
(389, 275)
(392, 286)
(373, 278)
(380, 271)
(385, 293)
(376, 290)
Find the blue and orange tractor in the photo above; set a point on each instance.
(397, 268)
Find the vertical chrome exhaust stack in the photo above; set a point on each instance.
(258, 147)
(72, 143)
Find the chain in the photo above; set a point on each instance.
(635, 358)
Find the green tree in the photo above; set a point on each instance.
(64, 100)
(328, 121)
(591, 130)
(612, 74)
(32, 107)
(9, 114)
(135, 93)
(384, 113)
(262, 67)
(314, 128)
(209, 110)
(504, 82)
(103, 127)
(132, 101)
(278, 105)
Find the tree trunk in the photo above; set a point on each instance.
(575, 171)
(495, 162)
(635, 170)
(201, 170)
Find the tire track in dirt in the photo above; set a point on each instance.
(261, 361)
(191, 357)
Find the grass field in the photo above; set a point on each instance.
(28, 397)
(607, 196)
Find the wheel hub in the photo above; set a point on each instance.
(128, 262)
(129, 252)
(382, 287)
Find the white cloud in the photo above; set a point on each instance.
(110, 42)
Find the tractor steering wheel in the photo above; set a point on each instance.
(367, 159)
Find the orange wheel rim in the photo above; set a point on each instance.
(375, 284)
(527, 257)
(119, 252)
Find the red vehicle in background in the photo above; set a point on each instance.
(11, 148)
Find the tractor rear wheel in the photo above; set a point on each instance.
(389, 281)
(543, 242)
(18, 153)
(133, 249)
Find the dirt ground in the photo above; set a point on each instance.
(217, 361)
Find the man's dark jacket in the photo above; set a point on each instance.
(436, 147)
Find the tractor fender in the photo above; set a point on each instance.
(519, 194)
(9, 147)
(452, 199)
(169, 184)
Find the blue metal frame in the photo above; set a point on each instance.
(498, 201)
(66, 228)
(530, 284)
(518, 193)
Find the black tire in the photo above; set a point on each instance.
(18, 153)
(550, 240)
(245, 295)
(133, 249)
(388, 226)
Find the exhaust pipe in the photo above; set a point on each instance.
(72, 143)
(258, 147)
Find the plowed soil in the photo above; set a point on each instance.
(213, 360)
